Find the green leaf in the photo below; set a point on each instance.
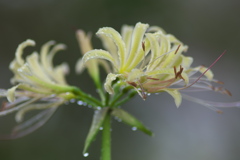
(130, 120)
(97, 122)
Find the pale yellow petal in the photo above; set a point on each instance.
(126, 33)
(136, 43)
(94, 54)
(44, 54)
(175, 94)
(110, 46)
(161, 71)
(84, 41)
(186, 62)
(116, 37)
(153, 29)
(108, 84)
(155, 49)
(60, 72)
(11, 93)
(209, 74)
(20, 49)
(36, 68)
(53, 51)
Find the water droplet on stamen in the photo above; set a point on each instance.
(86, 154)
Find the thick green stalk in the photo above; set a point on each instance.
(106, 138)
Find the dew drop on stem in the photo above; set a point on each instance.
(86, 154)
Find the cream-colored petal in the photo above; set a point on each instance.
(186, 62)
(60, 72)
(155, 49)
(161, 71)
(36, 68)
(154, 29)
(116, 37)
(84, 41)
(175, 94)
(20, 48)
(44, 54)
(54, 50)
(126, 33)
(94, 54)
(110, 46)
(141, 59)
(174, 57)
(136, 43)
(34, 89)
(11, 93)
(108, 84)
(209, 74)
(158, 58)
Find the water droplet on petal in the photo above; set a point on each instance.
(86, 154)
(134, 128)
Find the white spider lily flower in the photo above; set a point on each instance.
(39, 86)
(149, 60)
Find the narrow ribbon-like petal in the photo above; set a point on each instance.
(116, 37)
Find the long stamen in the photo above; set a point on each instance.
(177, 48)
(205, 71)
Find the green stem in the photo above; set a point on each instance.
(125, 99)
(106, 138)
(121, 94)
(100, 89)
(85, 97)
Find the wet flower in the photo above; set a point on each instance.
(38, 86)
(151, 61)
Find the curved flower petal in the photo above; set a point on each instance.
(116, 37)
(20, 48)
(136, 44)
(11, 93)
(108, 84)
(175, 94)
(94, 54)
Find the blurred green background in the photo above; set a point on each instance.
(191, 132)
